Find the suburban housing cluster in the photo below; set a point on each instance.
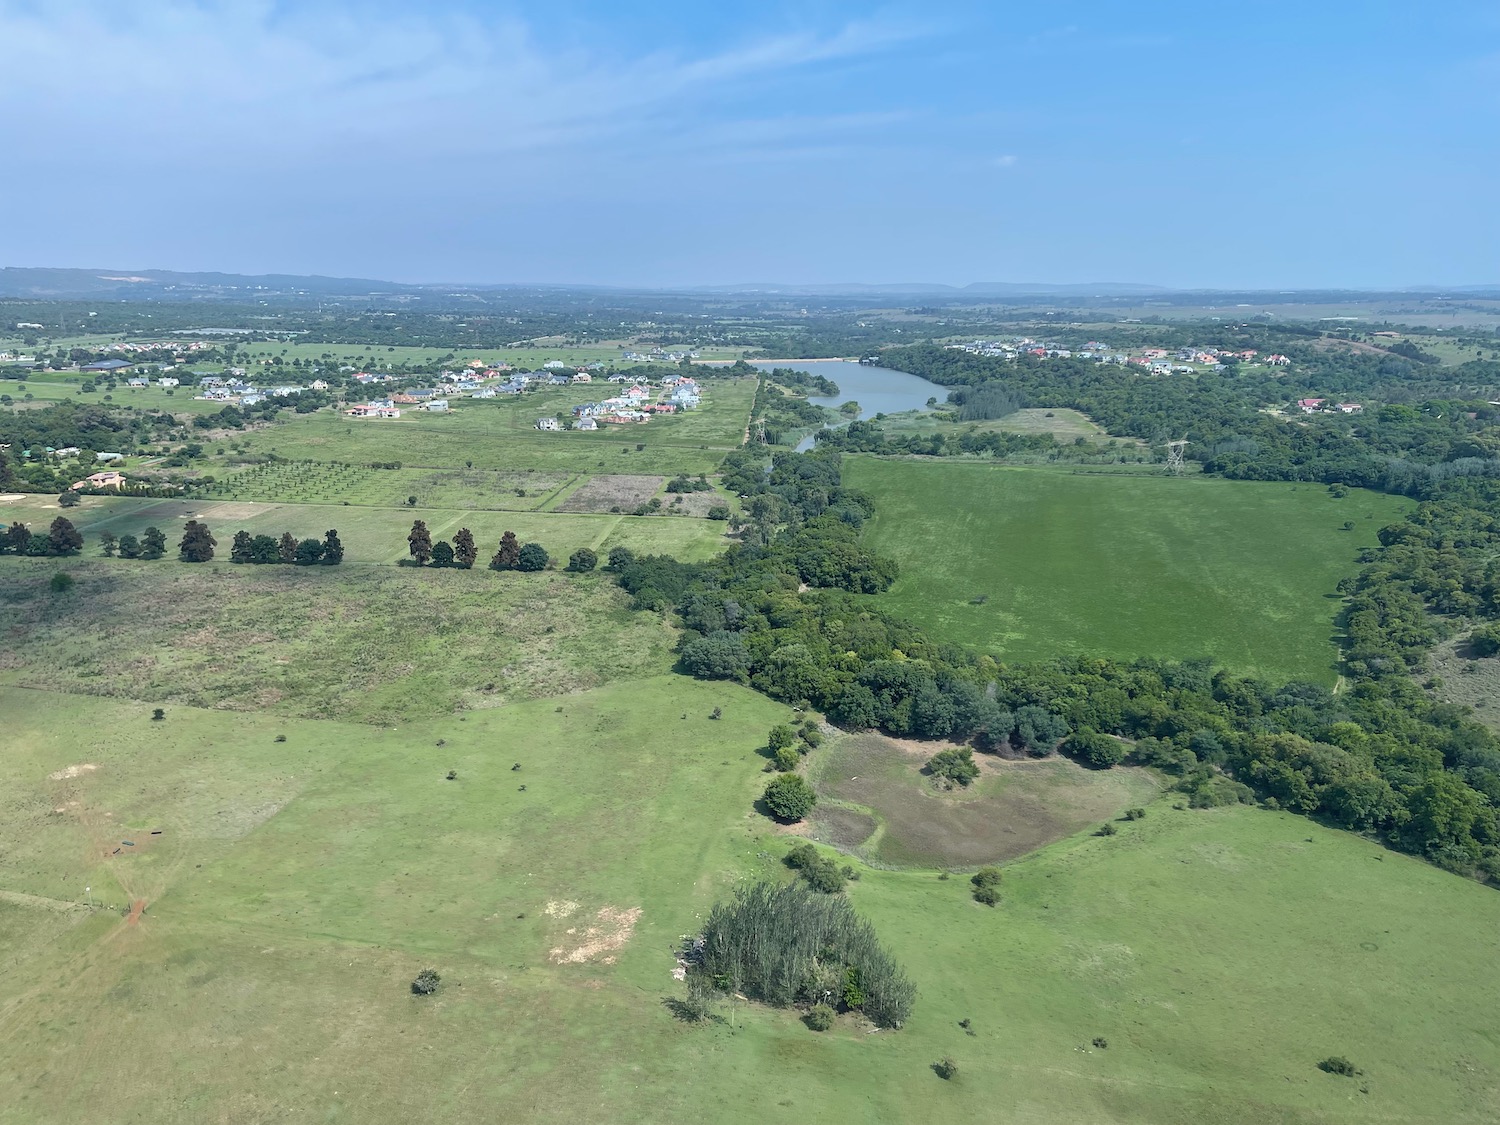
(633, 404)
(1156, 360)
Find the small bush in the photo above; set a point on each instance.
(1337, 1064)
(945, 1068)
(781, 736)
(819, 1017)
(158, 715)
(1106, 829)
(61, 582)
(988, 896)
(1101, 1042)
(790, 797)
(426, 983)
(957, 767)
(1135, 814)
(786, 758)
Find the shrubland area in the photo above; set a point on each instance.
(973, 766)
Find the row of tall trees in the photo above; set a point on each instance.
(463, 552)
(288, 550)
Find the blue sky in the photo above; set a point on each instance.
(1266, 144)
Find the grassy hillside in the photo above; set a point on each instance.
(297, 887)
(1033, 563)
(376, 645)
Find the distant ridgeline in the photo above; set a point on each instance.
(1380, 758)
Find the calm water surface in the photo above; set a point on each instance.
(878, 390)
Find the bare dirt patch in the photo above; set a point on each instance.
(606, 493)
(72, 772)
(601, 939)
(1014, 808)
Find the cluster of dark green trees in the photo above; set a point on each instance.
(61, 539)
(1381, 757)
(789, 944)
(288, 550)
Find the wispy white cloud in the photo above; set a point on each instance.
(259, 78)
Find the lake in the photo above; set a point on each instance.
(878, 390)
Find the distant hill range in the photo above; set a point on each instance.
(170, 285)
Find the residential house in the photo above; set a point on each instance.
(1351, 408)
(109, 478)
(373, 410)
(1310, 405)
(582, 377)
(437, 406)
(168, 381)
(587, 424)
(549, 424)
(107, 366)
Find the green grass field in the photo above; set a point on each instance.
(297, 886)
(1119, 565)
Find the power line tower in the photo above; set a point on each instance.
(760, 431)
(1174, 456)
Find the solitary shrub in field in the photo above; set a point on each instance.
(945, 1068)
(158, 715)
(819, 1017)
(786, 758)
(822, 874)
(1135, 814)
(986, 882)
(61, 582)
(1337, 1064)
(790, 797)
(954, 766)
(426, 983)
(582, 561)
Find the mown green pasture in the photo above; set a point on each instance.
(298, 886)
(1035, 563)
(375, 535)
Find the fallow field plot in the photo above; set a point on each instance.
(1036, 563)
